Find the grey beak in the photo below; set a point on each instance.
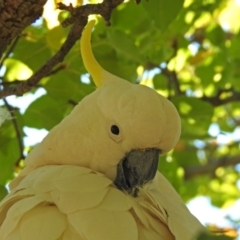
(137, 168)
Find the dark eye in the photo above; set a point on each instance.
(115, 130)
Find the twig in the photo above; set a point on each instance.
(17, 130)
(104, 9)
(170, 75)
(9, 51)
(172, 78)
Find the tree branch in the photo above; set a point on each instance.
(17, 130)
(60, 67)
(79, 20)
(104, 9)
(27, 85)
(211, 166)
(170, 75)
(172, 78)
(15, 15)
(217, 100)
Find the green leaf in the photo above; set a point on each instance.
(185, 158)
(196, 116)
(169, 170)
(3, 192)
(124, 44)
(116, 64)
(206, 74)
(9, 152)
(32, 50)
(193, 107)
(66, 86)
(124, 19)
(55, 38)
(163, 12)
(205, 236)
(45, 112)
(216, 35)
(160, 82)
(234, 50)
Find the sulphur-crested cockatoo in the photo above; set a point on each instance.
(94, 176)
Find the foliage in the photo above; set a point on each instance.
(187, 50)
(212, 237)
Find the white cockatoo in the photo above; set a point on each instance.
(94, 176)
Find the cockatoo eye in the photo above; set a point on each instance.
(115, 129)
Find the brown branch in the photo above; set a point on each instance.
(172, 75)
(15, 15)
(211, 166)
(80, 16)
(218, 101)
(15, 82)
(17, 130)
(172, 78)
(24, 87)
(59, 68)
(104, 9)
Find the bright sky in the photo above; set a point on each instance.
(206, 213)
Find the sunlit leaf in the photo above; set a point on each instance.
(16, 70)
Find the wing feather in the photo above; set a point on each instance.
(181, 222)
(108, 225)
(74, 203)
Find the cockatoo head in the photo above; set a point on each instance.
(118, 130)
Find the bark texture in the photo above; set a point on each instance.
(15, 15)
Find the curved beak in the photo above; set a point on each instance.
(136, 168)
